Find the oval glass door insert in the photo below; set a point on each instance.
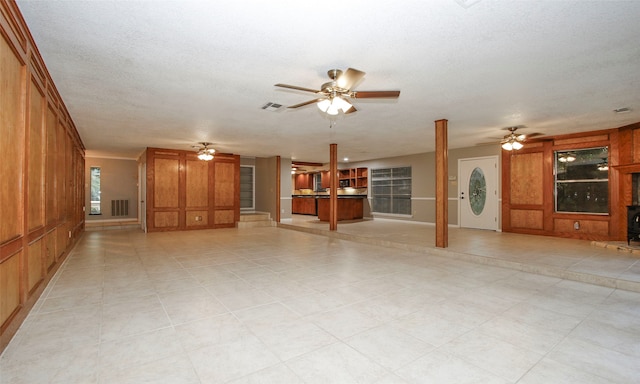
(477, 191)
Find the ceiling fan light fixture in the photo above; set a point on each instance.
(334, 105)
(342, 104)
(204, 152)
(511, 144)
(333, 108)
(324, 105)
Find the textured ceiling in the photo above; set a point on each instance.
(169, 74)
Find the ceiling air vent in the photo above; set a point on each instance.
(622, 110)
(272, 106)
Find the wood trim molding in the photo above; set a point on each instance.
(333, 192)
(442, 180)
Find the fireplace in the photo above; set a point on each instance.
(633, 223)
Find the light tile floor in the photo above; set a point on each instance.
(611, 264)
(272, 305)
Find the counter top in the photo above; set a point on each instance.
(327, 196)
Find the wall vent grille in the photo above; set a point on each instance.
(119, 208)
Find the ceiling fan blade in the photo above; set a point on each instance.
(374, 94)
(305, 103)
(297, 88)
(350, 78)
(350, 110)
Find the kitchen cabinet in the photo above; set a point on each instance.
(325, 180)
(303, 205)
(349, 177)
(349, 208)
(304, 181)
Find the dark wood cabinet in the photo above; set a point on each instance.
(349, 208)
(304, 181)
(303, 205)
(325, 181)
(350, 177)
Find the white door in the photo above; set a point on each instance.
(478, 192)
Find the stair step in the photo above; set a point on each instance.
(254, 224)
(255, 216)
(255, 219)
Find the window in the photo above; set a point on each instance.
(582, 180)
(95, 191)
(317, 182)
(247, 182)
(391, 190)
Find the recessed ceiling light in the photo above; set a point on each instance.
(622, 110)
(346, 159)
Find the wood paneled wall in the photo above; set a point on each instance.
(528, 183)
(184, 192)
(41, 174)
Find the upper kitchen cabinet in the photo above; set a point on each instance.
(304, 181)
(349, 177)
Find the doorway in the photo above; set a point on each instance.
(478, 192)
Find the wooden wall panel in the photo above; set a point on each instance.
(580, 139)
(50, 249)
(225, 188)
(596, 227)
(166, 220)
(527, 179)
(50, 168)
(636, 146)
(35, 217)
(11, 148)
(186, 193)
(224, 217)
(40, 152)
(197, 188)
(197, 218)
(166, 187)
(35, 269)
(9, 286)
(527, 219)
(63, 239)
(61, 191)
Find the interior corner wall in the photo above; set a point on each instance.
(286, 187)
(118, 181)
(265, 187)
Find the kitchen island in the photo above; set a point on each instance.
(350, 207)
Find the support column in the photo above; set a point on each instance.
(442, 191)
(333, 190)
(278, 188)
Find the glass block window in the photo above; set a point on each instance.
(582, 180)
(391, 190)
(247, 187)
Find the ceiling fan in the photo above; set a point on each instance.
(513, 140)
(333, 96)
(204, 152)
